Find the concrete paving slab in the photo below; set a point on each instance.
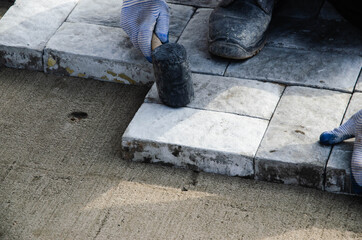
(298, 67)
(298, 8)
(102, 52)
(317, 35)
(26, 28)
(201, 140)
(107, 13)
(231, 95)
(359, 83)
(196, 3)
(328, 12)
(338, 171)
(94, 51)
(194, 38)
(290, 152)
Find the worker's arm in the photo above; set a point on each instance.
(140, 18)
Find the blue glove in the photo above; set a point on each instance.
(140, 18)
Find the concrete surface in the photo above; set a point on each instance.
(62, 177)
(26, 28)
(289, 152)
(199, 139)
(308, 47)
(300, 67)
(338, 172)
(194, 39)
(231, 95)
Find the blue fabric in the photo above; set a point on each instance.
(140, 18)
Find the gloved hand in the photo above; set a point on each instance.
(140, 18)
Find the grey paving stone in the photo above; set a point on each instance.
(107, 13)
(298, 8)
(359, 83)
(317, 35)
(231, 95)
(328, 12)
(100, 12)
(290, 152)
(196, 3)
(197, 139)
(26, 28)
(338, 171)
(194, 38)
(94, 51)
(299, 67)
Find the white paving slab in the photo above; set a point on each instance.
(316, 35)
(298, 67)
(26, 28)
(231, 95)
(197, 139)
(107, 13)
(103, 52)
(100, 52)
(359, 83)
(196, 3)
(194, 38)
(290, 152)
(338, 171)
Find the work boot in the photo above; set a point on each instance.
(237, 28)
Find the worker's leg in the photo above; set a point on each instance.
(237, 28)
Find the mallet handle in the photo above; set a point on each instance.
(156, 42)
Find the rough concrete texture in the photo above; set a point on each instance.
(194, 38)
(298, 67)
(107, 13)
(316, 35)
(289, 152)
(197, 3)
(303, 9)
(64, 179)
(231, 95)
(26, 28)
(198, 139)
(328, 12)
(338, 171)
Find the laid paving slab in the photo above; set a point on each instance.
(194, 38)
(198, 139)
(231, 95)
(359, 83)
(26, 28)
(107, 13)
(102, 52)
(298, 67)
(338, 171)
(298, 8)
(328, 12)
(197, 3)
(316, 35)
(290, 152)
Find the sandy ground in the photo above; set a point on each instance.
(62, 177)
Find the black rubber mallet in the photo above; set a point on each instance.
(172, 73)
